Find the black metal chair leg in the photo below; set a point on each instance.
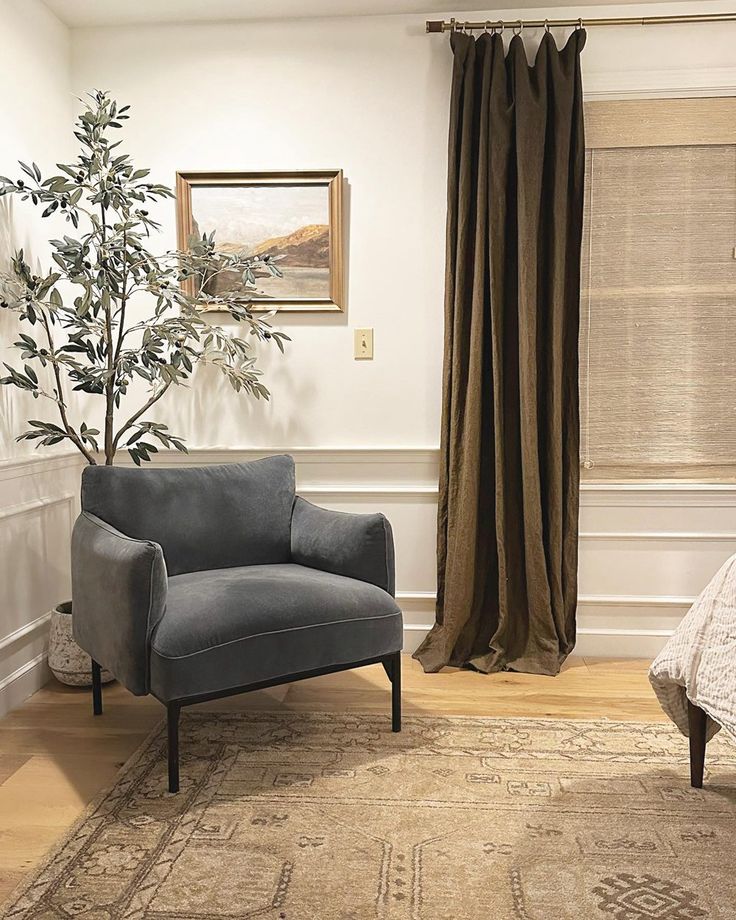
(697, 721)
(96, 688)
(173, 710)
(396, 692)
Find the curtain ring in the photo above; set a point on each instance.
(580, 24)
(546, 26)
(519, 26)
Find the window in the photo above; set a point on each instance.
(658, 299)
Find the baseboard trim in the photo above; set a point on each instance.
(23, 682)
(591, 642)
(657, 614)
(608, 600)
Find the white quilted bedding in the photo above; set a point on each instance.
(699, 661)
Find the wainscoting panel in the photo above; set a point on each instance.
(646, 550)
(38, 504)
(658, 564)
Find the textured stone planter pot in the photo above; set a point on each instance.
(68, 663)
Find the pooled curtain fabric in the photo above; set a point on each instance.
(509, 468)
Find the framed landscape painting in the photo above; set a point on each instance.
(295, 216)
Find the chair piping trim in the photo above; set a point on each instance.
(274, 632)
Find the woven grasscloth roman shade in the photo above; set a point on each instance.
(658, 303)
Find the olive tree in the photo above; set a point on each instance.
(82, 320)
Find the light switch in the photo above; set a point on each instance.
(363, 344)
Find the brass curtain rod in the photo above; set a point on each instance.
(438, 25)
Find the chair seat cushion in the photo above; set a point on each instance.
(227, 628)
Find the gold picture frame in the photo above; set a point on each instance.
(247, 204)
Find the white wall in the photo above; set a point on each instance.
(368, 94)
(38, 497)
(35, 107)
(360, 94)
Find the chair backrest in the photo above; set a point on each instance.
(208, 517)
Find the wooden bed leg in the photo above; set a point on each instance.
(697, 720)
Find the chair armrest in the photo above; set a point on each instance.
(355, 545)
(119, 590)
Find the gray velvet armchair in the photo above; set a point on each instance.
(192, 584)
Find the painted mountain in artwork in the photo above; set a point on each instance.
(307, 247)
(305, 263)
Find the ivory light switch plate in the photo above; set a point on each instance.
(363, 344)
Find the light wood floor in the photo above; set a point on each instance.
(55, 756)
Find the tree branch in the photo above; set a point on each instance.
(123, 301)
(73, 436)
(136, 415)
(110, 384)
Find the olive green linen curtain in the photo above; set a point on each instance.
(509, 469)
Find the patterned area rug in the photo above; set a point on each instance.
(286, 816)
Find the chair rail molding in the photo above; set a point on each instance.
(21, 467)
(38, 504)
